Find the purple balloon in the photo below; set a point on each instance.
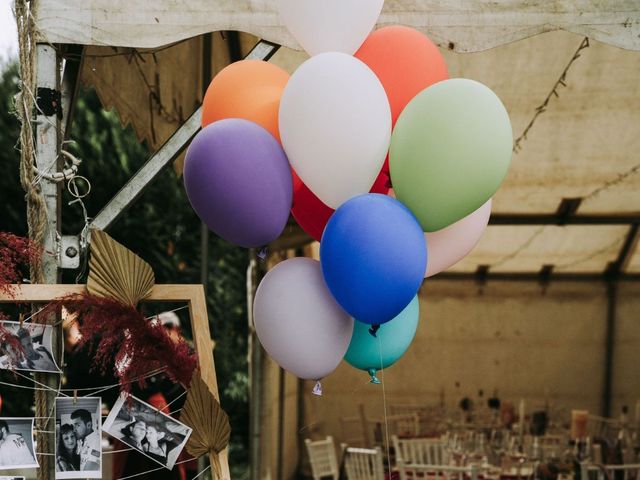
(238, 181)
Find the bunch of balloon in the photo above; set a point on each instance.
(365, 112)
(336, 117)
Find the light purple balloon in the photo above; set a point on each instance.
(238, 181)
(298, 321)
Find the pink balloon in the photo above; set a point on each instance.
(448, 246)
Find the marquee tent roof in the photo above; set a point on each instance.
(571, 199)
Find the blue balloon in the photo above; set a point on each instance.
(373, 257)
(374, 350)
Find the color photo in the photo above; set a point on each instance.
(28, 348)
(16, 444)
(146, 429)
(78, 445)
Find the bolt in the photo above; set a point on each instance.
(71, 252)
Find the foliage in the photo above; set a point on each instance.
(115, 331)
(160, 227)
(16, 253)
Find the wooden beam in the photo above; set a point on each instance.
(621, 263)
(531, 277)
(555, 219)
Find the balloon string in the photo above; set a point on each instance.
(384, 407)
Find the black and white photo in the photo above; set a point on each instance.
(78, 439)
(16, 443)
(146, 429)
(28, 348)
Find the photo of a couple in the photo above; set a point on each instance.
(78, 444)
(151, 432)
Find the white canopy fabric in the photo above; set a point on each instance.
(462, 25)
(584, 145)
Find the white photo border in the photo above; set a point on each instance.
(117, 407)
(48, 348)
(33, 446)
(97, 413)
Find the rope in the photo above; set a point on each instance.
(24, 106)
(36, 208)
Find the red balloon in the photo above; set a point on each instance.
(405, 61)
(312, 214)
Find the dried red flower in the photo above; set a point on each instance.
(16, 254)
(9, 340)
(122, 339)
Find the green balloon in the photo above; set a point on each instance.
(450, 150)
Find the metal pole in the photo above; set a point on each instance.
(255, 371)
(207, 51)
(281, 400)
(47, 136)
(612, 296)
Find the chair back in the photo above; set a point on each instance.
(420, 451)
(322, 456)
(404, 424)
(610, 472)
(602, 427)
(437, 472)
(363, 464)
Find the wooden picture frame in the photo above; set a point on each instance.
(193, 295)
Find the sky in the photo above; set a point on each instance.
(8, 33)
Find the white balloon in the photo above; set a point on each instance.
(448, 246)
(335, 126)
(298, 322)
(330, 25)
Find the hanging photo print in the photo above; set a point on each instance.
(16, 443)
(78, 445)
(146, 429)
(26, 347)
(11, 478)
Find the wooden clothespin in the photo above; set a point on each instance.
(21, 319)
(75, 396)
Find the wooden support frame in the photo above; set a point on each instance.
(193, 295)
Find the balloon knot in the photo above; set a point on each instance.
(388, 183)
(262, 253)
(374, 330)
(372, 373)
(317, 389)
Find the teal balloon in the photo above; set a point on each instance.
(391, 341)
(450, 150)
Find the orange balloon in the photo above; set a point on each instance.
(405, 61)
(248, 89)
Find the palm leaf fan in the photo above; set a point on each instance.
(210, 424)
(116, 272)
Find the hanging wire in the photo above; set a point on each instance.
(384, 406)
(561, 82)
(162, 468)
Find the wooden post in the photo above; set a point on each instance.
(46, 142)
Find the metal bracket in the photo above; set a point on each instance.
(69, 252)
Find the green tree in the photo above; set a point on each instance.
(161, 227)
